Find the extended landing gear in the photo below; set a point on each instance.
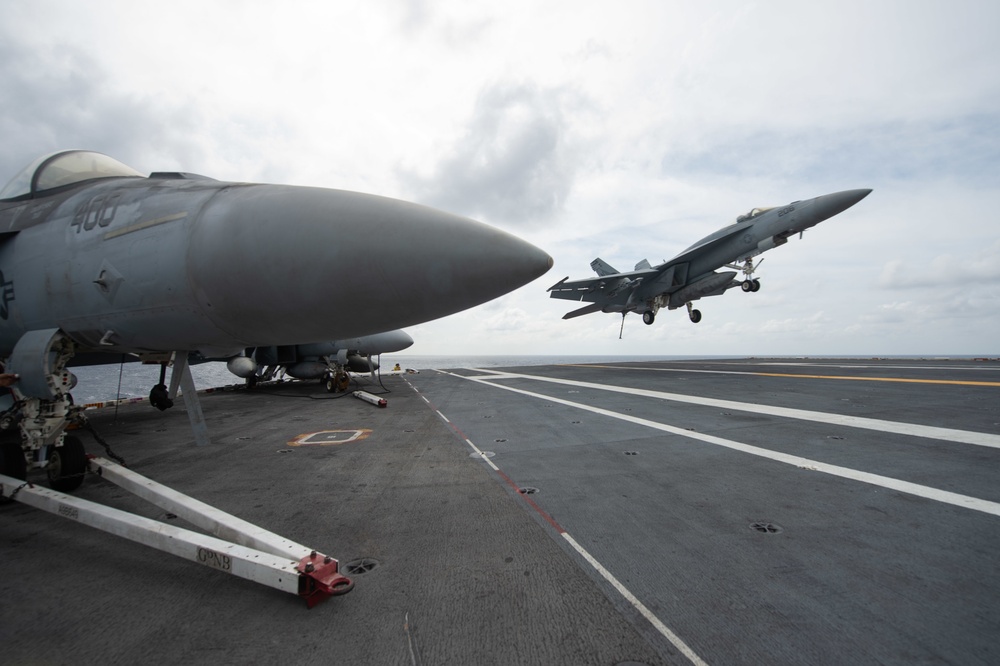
(67, 465)
(337, 382)
(648, 317)
(693, 315)
(33, 429)
(749, 284)
(159, 396)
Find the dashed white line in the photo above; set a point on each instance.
(482, 455)
(664, 630)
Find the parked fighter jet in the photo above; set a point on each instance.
(327, 361)
(694, 274)
(95, 257)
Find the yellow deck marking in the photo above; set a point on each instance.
(955, 382)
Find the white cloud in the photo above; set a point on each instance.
(512, 165)
(980, 268)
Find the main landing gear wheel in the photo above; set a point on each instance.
(12, 462)
(159, 397)
(338, 383)
(695, 316)
(648, 317)
(750, 285)
(67, 465)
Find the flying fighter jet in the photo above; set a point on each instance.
(694, 273)
(96, 257)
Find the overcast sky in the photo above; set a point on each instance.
(623, 130)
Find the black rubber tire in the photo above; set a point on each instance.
(12, 462)
(67, 465)
(695, 316)
(648, 317)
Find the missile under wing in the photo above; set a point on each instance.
(695, 273)
(327, 361)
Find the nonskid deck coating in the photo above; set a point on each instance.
(636, 547)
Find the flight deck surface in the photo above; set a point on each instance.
(754, 511)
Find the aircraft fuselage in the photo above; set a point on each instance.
(180, 262)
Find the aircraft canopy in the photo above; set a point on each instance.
(64, 168)
(752, 214)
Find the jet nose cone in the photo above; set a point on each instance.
(285, 265)
(828, 205)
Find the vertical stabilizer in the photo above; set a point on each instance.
(602, 268)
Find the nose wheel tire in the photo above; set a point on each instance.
(12, 462)
(67, 465)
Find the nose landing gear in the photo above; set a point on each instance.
(42, 410)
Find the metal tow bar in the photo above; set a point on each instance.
(238, 547)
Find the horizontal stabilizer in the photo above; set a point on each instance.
(588, 309)
(642, 265)
(558, 284)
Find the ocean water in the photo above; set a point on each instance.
(97, 383)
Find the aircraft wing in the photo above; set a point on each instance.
(706, 244)
(599, 289)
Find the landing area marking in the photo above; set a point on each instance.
(903, 380)
(330, 437)
(947, 497)
(897, 427)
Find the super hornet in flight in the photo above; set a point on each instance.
(694, 273)
(96, 258)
